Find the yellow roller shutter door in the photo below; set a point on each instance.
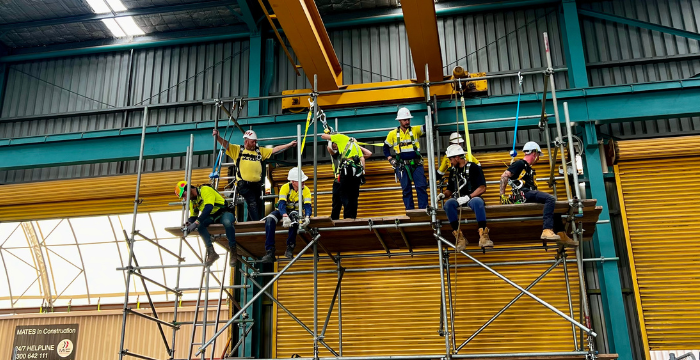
(397, 312)
(661, 211)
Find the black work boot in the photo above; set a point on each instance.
(290, 251)
(211, 256)
(269, 258)
(233, 260)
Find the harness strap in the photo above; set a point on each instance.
(238, 160)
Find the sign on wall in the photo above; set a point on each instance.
(45, 342)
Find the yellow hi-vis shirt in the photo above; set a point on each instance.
(291, 196)
(403, 144)
(250, 166)
(206, 196)
(445, 163)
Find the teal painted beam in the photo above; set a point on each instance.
(639, 23)
(254, 73)
(123, 47)
(246, 15)
(270, 71)
(608, 104)
(573, 45)
(604, 246)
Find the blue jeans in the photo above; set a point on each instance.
(549, 220)
(476, 204)
(271, 225)
(225, 219)
(421, 185)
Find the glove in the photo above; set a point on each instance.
(393, 163)
(505, 199)
(440, 197)
(463, 200)
(286, 222)
(306, 222)
(192, 226)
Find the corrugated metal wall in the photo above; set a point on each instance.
(609, 45)
(485, 42)
(160, 75)
(99, 333)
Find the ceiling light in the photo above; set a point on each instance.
(114, 27)
(129, 26)
(99, 6)
(116, 5)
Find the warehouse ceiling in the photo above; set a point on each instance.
(160, 21)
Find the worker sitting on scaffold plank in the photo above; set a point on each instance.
(288, 212)
(522, 179)
(408, 163)
(445, 164)
(466, 184)
(249, 182)
(348, 173)
(207, 206)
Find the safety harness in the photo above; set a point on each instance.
(258, 157)
(519, 186)
(410, 163)
(346, 163)
(455, 175)
(226, 207)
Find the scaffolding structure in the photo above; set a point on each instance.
(582, 331)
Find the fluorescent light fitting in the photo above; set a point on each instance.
(114, 27)
(116, 5)
(99, 6)
(129, 26)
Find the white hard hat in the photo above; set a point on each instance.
(294, 175)
(250, 134)
(531, 146)
(454, 150)
(456, 138)
(403, 113)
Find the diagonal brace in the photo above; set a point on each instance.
(511, 283)
(335, 296)
(545, 273)
(258, 295)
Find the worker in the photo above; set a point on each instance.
(445, 164)
(466, 184)
(207, 207)
(522, 177)
(249, 181)
(287, 211)
(408, 164)
(348, 173)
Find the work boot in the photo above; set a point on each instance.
(269, 258)
(211, 256)
(290, 251)
(566, 240)
(461, 243)
(484, 240)
(548, 234)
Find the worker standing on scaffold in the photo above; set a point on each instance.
(207, 206)
(466, 184)
(348, 173)
(249, 182)
(445, 163)
(522, 178)
(408, 163)
(287, 211)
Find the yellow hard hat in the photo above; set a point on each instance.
(180, 188)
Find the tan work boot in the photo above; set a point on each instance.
(566, 240)
(484, 240)
(548, 234)
(461, 243)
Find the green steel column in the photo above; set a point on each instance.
(254, 72)
(604, 246)
(269, 72)
(573, 45)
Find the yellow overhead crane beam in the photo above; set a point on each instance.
(306, 33)
(423, 37)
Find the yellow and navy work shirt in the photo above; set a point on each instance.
(290, 197)
(250, 168)
(403, 145)
(346, 149)
(445, 163)
(206, 196)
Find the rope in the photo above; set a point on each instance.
(514, 153)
